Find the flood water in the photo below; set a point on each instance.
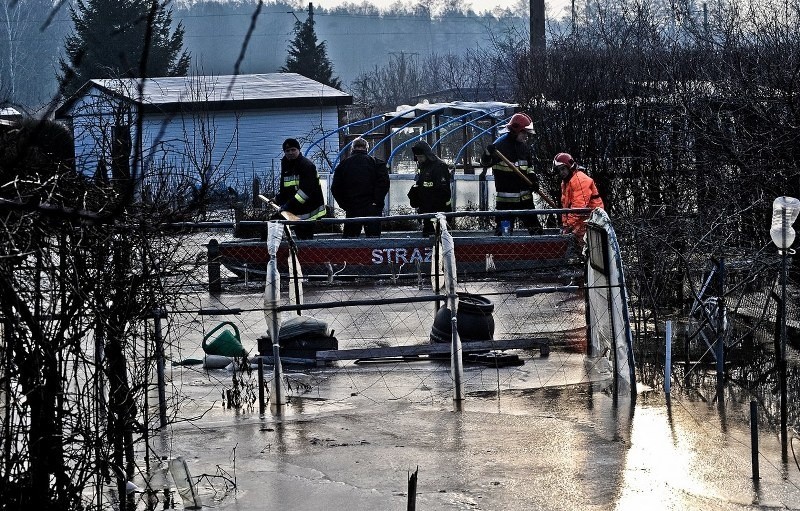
(547, 434)
(351, 441)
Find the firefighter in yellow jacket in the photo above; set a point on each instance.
(577, 191)
(300, 192)
(431, 190)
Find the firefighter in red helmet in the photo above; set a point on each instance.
(512, 192)
(578, 190)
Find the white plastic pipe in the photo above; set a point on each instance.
(450, 282)
(272, 291)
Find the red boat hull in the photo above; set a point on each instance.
(401, 254)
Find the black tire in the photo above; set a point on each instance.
(475, 304)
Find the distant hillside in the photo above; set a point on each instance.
(356, 41)
(358, 38)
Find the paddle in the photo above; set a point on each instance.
(543, 195)
(295, 272)
(287, 215)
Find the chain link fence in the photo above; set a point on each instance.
(379, 296)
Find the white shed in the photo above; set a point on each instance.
(232, 126)
(9, 113)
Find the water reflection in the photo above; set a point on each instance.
(655, 466)
(755, 380)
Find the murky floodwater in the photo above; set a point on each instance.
(543, 435)
(557, 446)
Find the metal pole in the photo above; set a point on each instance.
(456, 362)
(6, 394)
(295, 270)
(720, 340)
(272, 293)
(448, 258)
(668, 359)
(412, 491)
(615, 359)
(214, 280)
(782, 319)
(754, 438)
(295, 279)
(437, 255)
(162, 394)
(483, 192)
(261, 402)
(277, 396)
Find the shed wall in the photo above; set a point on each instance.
(240, 145)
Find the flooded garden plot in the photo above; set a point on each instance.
(353, 429)
(558, 317)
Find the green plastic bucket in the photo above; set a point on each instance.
(227, 343)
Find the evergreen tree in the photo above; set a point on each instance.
(109, 41)
(308, 58)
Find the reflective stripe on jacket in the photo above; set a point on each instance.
(514, 196)
(511, 188)
(301, 192)
(317, 213)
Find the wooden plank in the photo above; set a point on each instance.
(428, 349)
(270, 360)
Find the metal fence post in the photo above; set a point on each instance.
(214, 280)
(668, 358)
(782, 355)
(720, 320)
(754, 438)
(162, 394)
(261, 402)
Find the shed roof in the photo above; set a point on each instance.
(225, 92)
(9, 113)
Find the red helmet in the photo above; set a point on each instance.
(520, 122)
(563, 160)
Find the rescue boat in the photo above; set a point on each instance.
(402, 254)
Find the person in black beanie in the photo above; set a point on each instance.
(300, 192)
(431, 190)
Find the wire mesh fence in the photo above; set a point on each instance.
(376, 294)
(533, 291)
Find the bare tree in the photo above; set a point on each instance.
(78, 287)
(89, 263)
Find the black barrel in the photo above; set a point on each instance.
(474, 316)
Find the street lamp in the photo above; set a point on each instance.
(784, 213)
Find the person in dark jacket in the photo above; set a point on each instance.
(300, 192)
(431, 191)
(512, 190)
(360, 184)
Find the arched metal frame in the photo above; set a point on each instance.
(476, 137)
(414, 120)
